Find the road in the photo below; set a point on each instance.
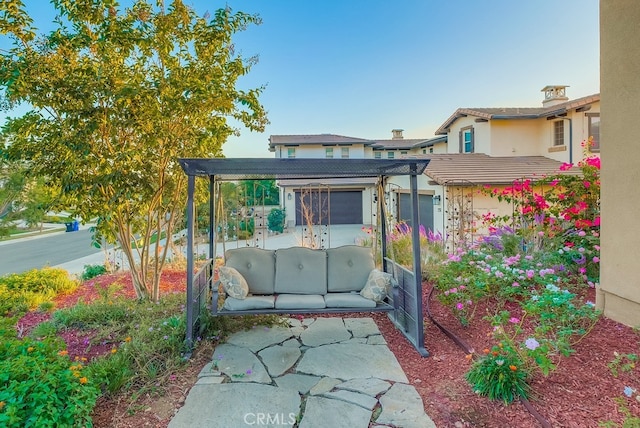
(51, 250)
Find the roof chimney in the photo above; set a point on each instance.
(554, 94)
(397, 134)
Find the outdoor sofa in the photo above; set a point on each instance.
(302, 280)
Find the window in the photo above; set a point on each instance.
(430, 149)
(291, 152)
(328, 152)
(390, 155)
(345, 152)
(558, 133)
(466, 140)
(377, 155)
(403, 153)
(594, 131)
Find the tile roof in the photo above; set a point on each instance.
(329, 139)
(517, 112)
(407, 143)
(478, 168)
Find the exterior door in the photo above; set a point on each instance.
(425, 210)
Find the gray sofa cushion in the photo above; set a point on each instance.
(301, 270)
(347, 300)
(348, 268)
(256, 265)
(250, 303)
(299, 301)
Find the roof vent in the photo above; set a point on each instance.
(397, 134)
(554, 94)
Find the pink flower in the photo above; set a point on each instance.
(566, 166)
(459, 306)
(514, 320)
(596, 259)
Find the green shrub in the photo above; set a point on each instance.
(42, 387)
(499, 375)
(28, 290)
(275, 220)
(91, 271)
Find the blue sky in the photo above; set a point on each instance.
(364, 67)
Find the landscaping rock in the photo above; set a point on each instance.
(240, 364)
(403, 407)
(325, 412)
(278, 359)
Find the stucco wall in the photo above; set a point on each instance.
(619, 291)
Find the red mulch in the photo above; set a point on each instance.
(579, 393)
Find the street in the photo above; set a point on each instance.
(17, 257)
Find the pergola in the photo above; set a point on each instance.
(409, 315)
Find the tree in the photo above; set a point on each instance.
(117, 95)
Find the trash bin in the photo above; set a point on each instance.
(72, 226)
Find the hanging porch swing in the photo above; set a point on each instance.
(406, 309)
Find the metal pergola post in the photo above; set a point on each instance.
(417, 262)
(190, 235)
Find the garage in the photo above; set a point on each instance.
(425, 210)
(329, 207)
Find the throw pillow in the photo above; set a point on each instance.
(233, 282)
(377, 286)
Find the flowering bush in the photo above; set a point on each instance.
(499, 375)
(533, 268)
(42, 386)
(400, 247)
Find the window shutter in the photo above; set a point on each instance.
(473, 141)
(460, 142)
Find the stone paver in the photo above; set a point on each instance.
(337, 361)
(237, 405)
(279, 359)
(240, 364)
(362, 400)
(324, 331)
(324, 385)
(326, 372)
(334, 414)
(260, 337)
(371, 386)
(299, 382)
(361, 327)
(403, 407)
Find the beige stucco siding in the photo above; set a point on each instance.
(516, 138)
(619, 291)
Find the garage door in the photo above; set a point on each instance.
(335, 207)
(425, 210)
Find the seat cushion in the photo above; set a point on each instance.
(299, 301)
(348, 268)
(256, 265)
(233, 283)
(347, 300)
(377, 286)
(301, 270)
(249, 303)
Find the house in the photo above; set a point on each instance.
(554, 130)
(474, 147)
(340, 201)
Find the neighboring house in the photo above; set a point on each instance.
(475, 147)
(555, 130)
(341, 201)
